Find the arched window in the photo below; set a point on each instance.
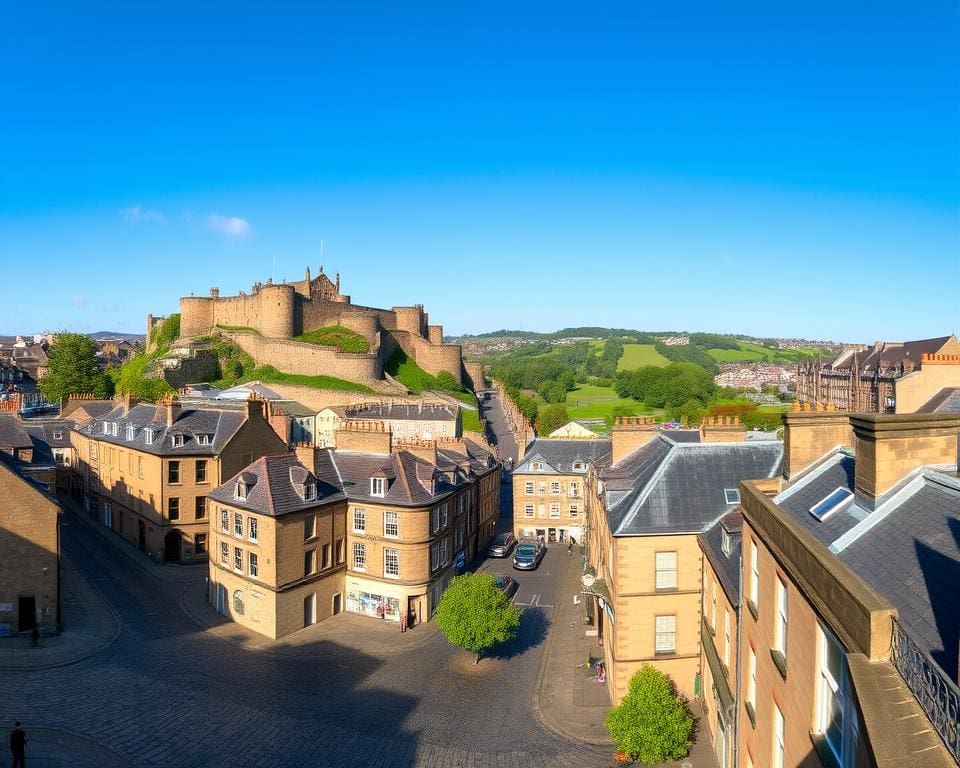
(238, 602)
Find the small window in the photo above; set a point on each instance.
(325, 560)
(309, 492)
(378, 486)
(254, 564)
(58, 435)
(359, 557)
(173, 472)
(238, 560)
(537, 466)
(528, 510)
(359, 520)
(241, 491)
(732, 495)
(391, 524)
(201, 471)
(224, 552)
(148, 436)
(224, 521)
(309, 527)
(200, 508)
(252, 529)
(237, 524)
(578, 466)
(391, 562)
(666, 634)
(554, 510)
(173, 508)
(238, 602)
(177, 441)
(574, 510)
(726, 543)
(555, 489)
(309, 562)
(833, 502)
(203, 439)
(200, 544)
(666, 570)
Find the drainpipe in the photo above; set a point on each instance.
(736, 697)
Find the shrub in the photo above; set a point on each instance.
(651, 724)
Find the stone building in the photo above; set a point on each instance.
(549, 487)
(848, 646)
(145, 470)
(889, 377)
(648, 508)
(405, 421)
(29, 556)
(14, 439)
(375, 527)
(265, 321)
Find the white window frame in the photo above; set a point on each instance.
(752, 681)
(359, 520)
(253, 564)
(573, 490)
(240, 492)
(754, 573)
(238, 558)
(378, 487)
(528, 487)
(665, 570)
(782, 618)
(391, 524)
(665, 627)
(528, 510)
(726, 639)
(574, 511)
(238, 525)
(555, 488)
(779, 728)
(731, 495)
(359, 556)
(225, 521)
(224, 553)
(554, 511)
(391, 563)
(830, 689)
(253, 529)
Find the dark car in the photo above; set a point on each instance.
(506, 585)
(528, 555)
(502, 545)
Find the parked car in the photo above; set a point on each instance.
(506, 584)
(528, 555)
(502, 545)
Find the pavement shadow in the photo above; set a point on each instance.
(533, 630)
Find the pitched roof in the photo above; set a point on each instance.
(889, 354)
(12, 433)
(403, 411)
(947, 400)
(243, 391)
(215, 422)
(726, 564)
(670, 487)
(560, 455)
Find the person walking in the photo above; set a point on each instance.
(570, 546)
(403, 622)
(18, 746)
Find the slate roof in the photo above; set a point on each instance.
(890, 354)
(242, 392)
(220, 421)
(294, 409)
(835, 472)
(43, 435)
(272, 485)
(670, 487)
(912, 556)
(945, 401)
(559, 455)
(725, 564)
(12, 433)
(403, 411)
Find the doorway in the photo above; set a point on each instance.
(337, 603)
(141, 536)
(171, 547)
(551, 535)
(310, 610)
(26, 613)
(222, 600)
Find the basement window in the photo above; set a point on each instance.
(732, 495)
(831, 503)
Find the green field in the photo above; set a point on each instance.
(588, 402)
(754, 353)
(638, 355)
(774, 408)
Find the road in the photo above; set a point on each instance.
(505, 440)
(170, 693)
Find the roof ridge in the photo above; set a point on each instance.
(403, 473)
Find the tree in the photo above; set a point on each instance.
(552, 417)
(475, 615)
(72, 368)
(651, 724)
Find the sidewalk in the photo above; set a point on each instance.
(569, 701)
(89, 626)
(362, 633)
(49, 748)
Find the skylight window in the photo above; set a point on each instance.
(831, 503)
(732, 495)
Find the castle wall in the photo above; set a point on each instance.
(315, 314)
(309, 359)
(196, 316)
(430, 357)
(410, 320)
(473, 375)
(276, 308)
(435, 334)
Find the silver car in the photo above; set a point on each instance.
(528, 555)
(502, 545)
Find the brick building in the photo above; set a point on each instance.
(29, 555)
(889, 377)
(145, 470)
(374, 527)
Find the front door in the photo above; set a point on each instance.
(222, 600)
(26, 613)
(337, 603)
(141, 536)
(171, 547)
(309, 610)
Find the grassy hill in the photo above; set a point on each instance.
(638, 355)
(754, 353)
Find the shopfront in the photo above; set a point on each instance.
(372, 604)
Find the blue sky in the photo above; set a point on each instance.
(738, 167)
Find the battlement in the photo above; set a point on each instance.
(931, 359)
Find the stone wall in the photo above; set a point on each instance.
(473, 375)
(432, 359)
(202, 365)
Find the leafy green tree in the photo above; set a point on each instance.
(475, 615)
(551, 417)
(447, 382)
(651, 724)
(72, 368)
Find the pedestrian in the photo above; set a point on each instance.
(18, 746)
(570, 546)
(403, 622)
(35, 637)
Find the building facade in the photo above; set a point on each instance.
(146, 470)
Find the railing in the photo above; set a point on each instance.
(937, 694)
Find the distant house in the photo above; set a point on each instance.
(573, 430)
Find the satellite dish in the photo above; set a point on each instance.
(588, 579)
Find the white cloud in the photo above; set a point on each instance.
(137, 213)
(79, 300)
(231, 227)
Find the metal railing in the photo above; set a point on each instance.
(936, 693)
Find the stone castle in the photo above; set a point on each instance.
(265, 321)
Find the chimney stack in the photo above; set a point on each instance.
(254, 407)
(722, 429)
(423, 449)
(307, 455)
(808, 435)
(891, 446)
(173, 409)
(630, 433)
(364, 437)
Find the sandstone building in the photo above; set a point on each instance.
(146, 470)
(374, 527)
(29, 556)
(889, 377)
(405, 421)
(265, 321)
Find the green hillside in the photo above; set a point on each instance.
(637, 355)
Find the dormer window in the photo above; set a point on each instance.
(537, 466)
(148, 435)
(309, 492)
(131, 431)
(378, 486)
(203, 439)
(241, 491)
(731, 495)
(726, 543)
(114, 429)
(177, 441)
(578, 466)
(58, 435)
(106, 427)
